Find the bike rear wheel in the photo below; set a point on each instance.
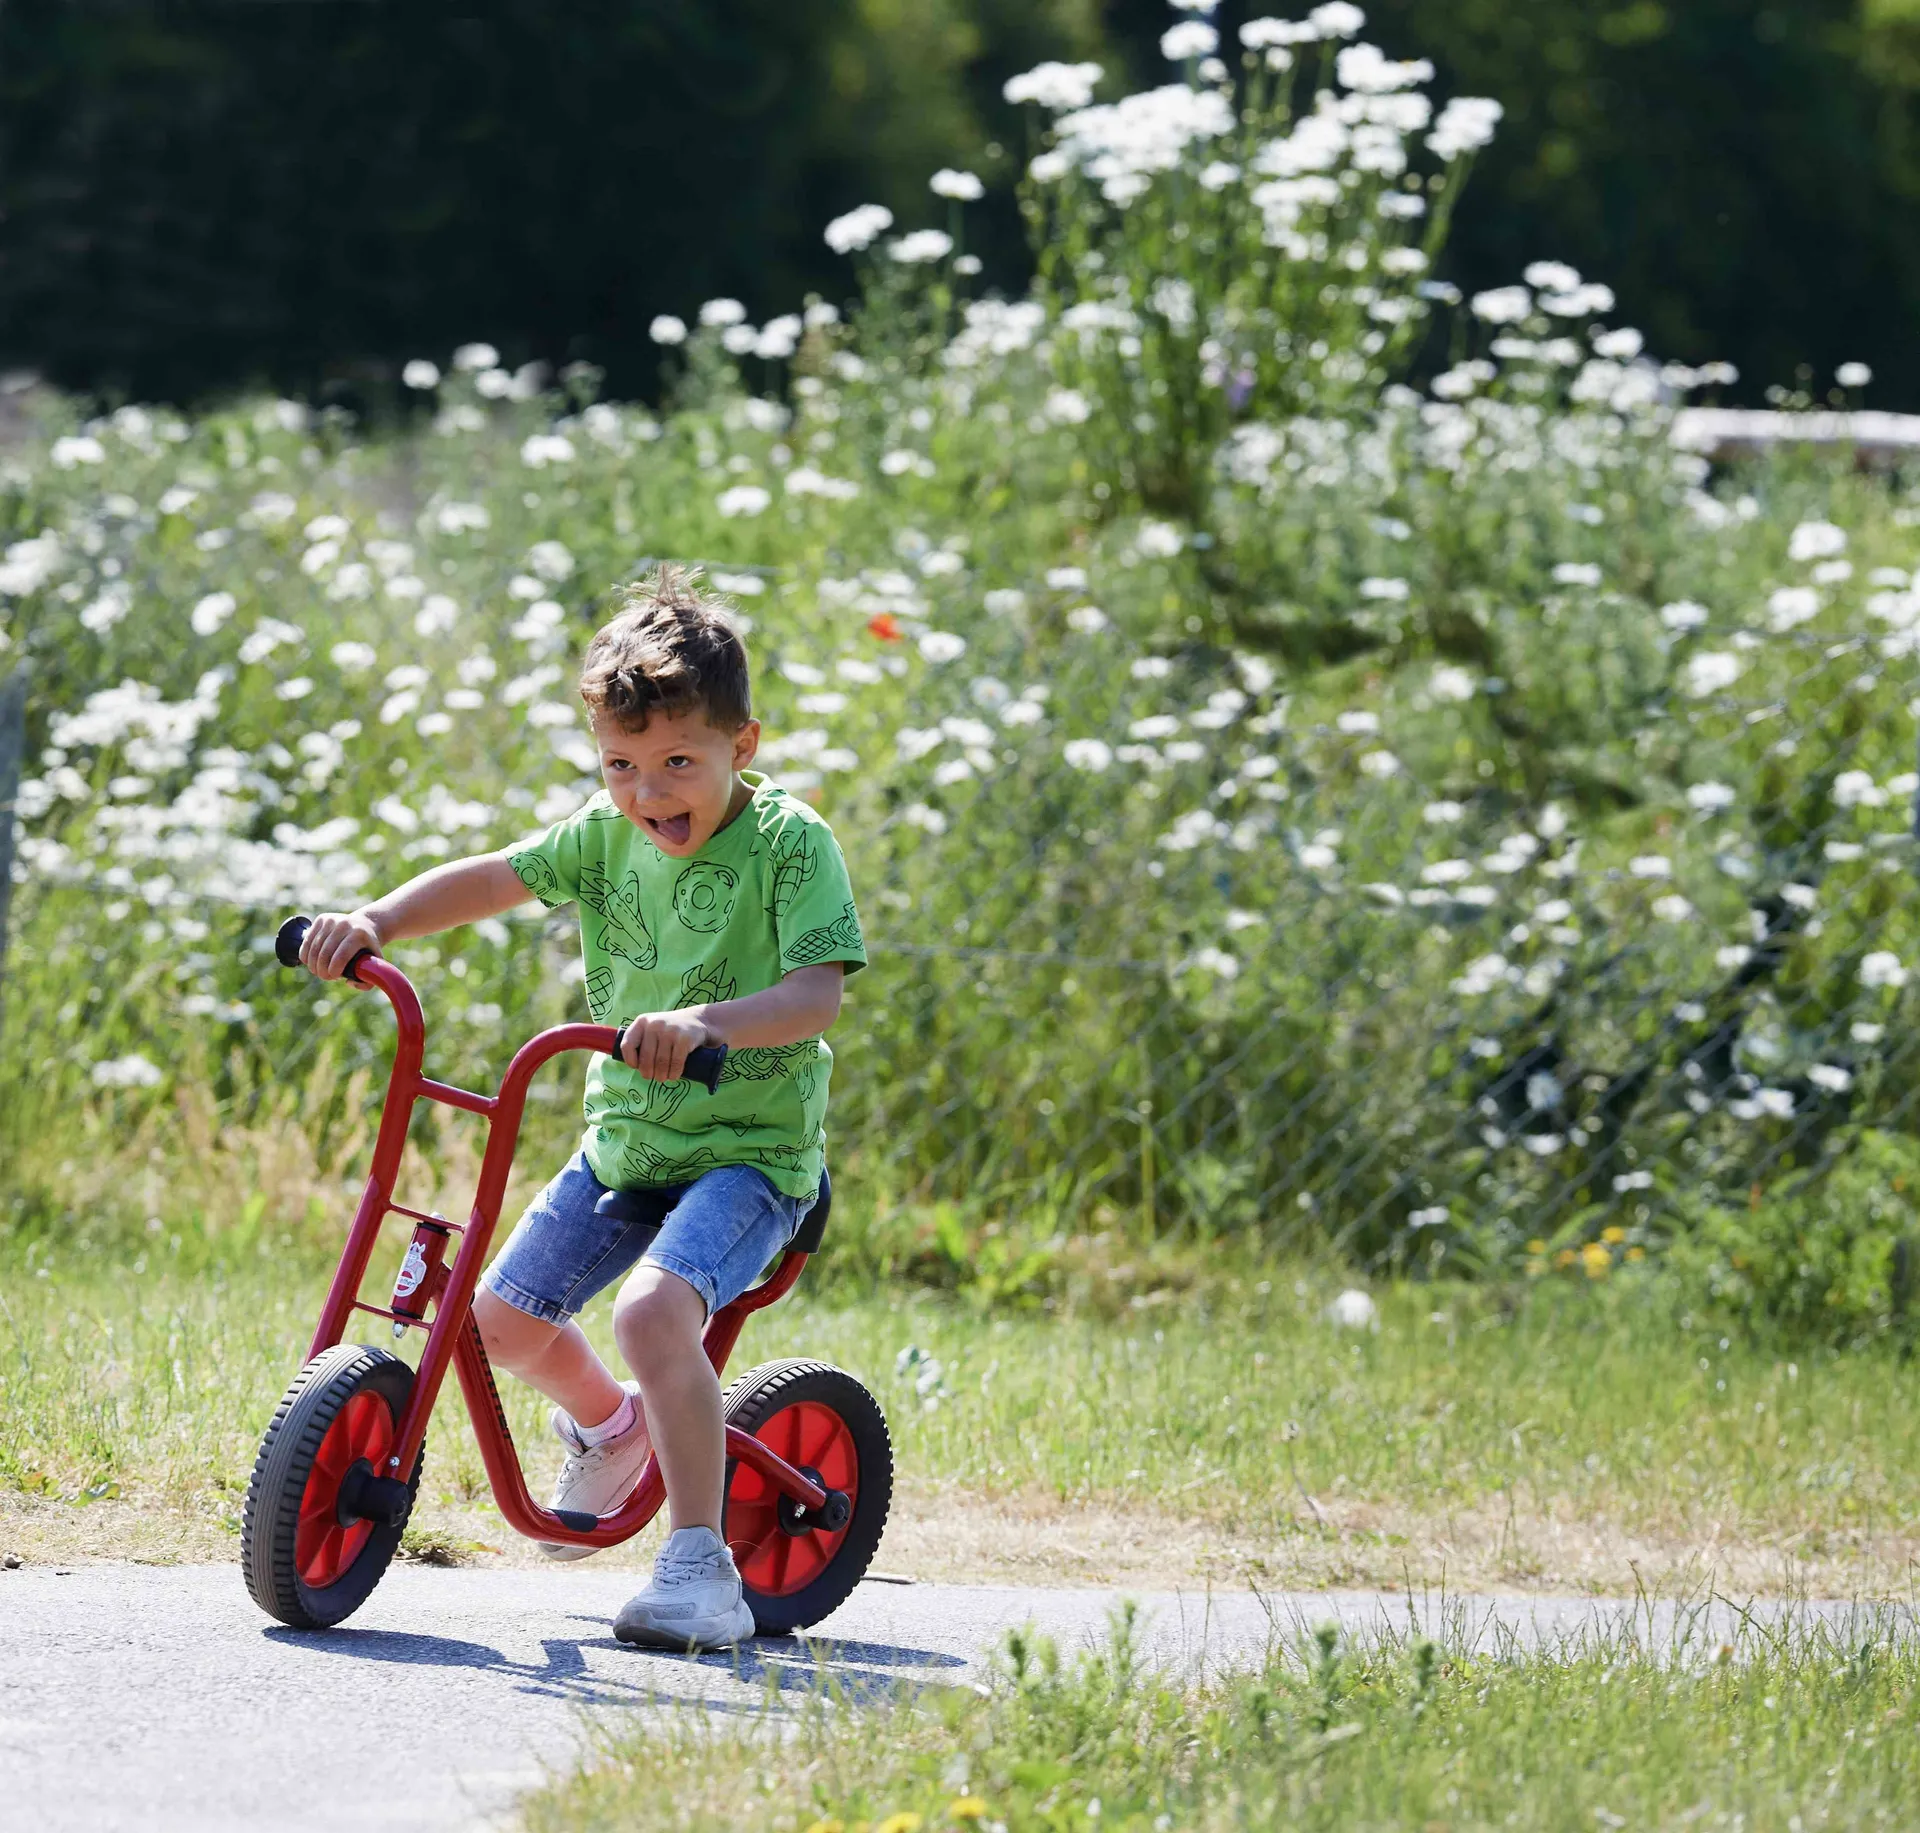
(819, 1419)
(310, 1560)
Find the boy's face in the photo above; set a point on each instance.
(674, 779)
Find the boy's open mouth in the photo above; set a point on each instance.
(675, 830)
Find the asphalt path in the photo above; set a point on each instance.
(156, 1698)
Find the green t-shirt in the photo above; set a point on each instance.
(767, 894)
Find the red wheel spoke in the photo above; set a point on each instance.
(333, 1457)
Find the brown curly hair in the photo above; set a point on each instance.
(670, 649)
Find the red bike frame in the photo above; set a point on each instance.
(452, 1334)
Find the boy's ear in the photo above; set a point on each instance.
(746, 743)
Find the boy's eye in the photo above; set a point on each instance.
(674, 762)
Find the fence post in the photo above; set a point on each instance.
(13, 726)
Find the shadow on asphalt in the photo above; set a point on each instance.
(773, 1664)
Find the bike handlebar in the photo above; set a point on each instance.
(703, 1064)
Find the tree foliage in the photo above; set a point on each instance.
(194, 197)
(198, 196)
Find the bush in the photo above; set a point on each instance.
(1827, 1258)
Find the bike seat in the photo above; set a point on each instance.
(647, 1209)
(806, 1238)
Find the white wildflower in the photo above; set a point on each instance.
(668, 330)
(1368, 70)
(965, 187)
(1054, 86)
(211, 612)
(1790, 607)
(1190, 38)
(859, 228)
(1710, 672)
(1856, 789)
(1337, 19)
(1465, 125)
(1816, 541)
(922, 246)
(126, 1072)
(1882, 969)
(1087, 753)
(1505, 305)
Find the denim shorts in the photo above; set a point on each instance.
(717, 1233)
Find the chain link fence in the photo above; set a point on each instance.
(13, 716)
(1413, 963)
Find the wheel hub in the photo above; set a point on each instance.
(796, 1518)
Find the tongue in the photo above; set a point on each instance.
(674, 828)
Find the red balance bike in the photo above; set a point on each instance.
(809, 1462)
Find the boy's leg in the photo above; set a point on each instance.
(559, 1255)
(657, 1322)
(555, 1358)
(719, 1235)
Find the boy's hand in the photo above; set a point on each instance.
(334, 940)
(659, 1043)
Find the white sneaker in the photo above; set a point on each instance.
(596, 1479)
(694, 1602)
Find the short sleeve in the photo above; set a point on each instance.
(813, 914)
(548, 863)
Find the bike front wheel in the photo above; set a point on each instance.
(310, 1559)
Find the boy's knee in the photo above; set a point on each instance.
(656, 1319)
(512, 1339)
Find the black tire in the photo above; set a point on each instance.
(270, 1531)
(752, 1404)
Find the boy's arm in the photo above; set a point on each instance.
(461, 891)
(799, 1005)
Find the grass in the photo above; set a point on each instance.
(1578, 1441)
(1802, 1732)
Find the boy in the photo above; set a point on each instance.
(714, 908)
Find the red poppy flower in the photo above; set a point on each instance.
(885, 626)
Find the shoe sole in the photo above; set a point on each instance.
(560, 1550)
(702, 1636)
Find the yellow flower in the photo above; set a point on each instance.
(1636, 1253)
(826, 1826)
(903, 1822)
(967, 1807)
(1615, 1234)
(1565, 1258)
(1597, 1261)
(1536, 1247)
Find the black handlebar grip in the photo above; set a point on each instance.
(293, 932)
(703, 1064)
